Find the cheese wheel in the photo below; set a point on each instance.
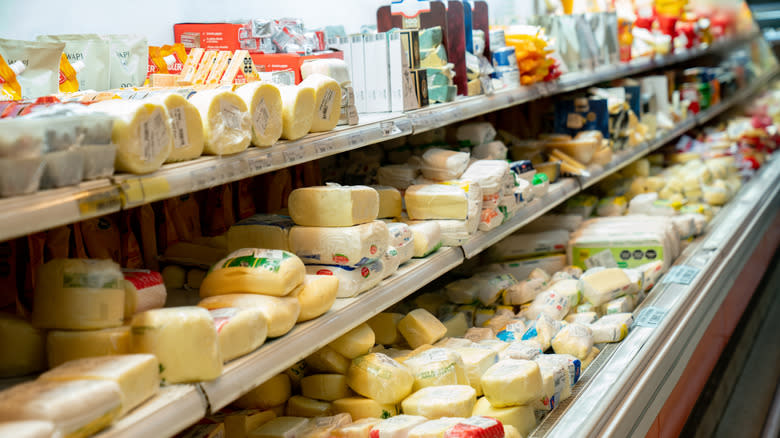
(281, 313)
(186, 127)
(184, 340)
(239, 330)
(144, 290)
(254, 271)
(361, 407)
(316, 296)
(273, 392)
(24, 346)
(355, 342)
(298, 107)
(142, 132)
(78, 294)
(441, 401)
(385, 327)
(66, 345)
(379, 377)
(520, 417)
(29, 429)
(512, 382)
(137, 375)
(264, 102)
(174, 277)
(419, 327)
(327, 101)
(326, 387)
(333, 205)
(226, 123)
(300, 406)
(327, 360)
(357, 245)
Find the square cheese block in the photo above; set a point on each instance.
(184, 340)
(358, 245)
(605, 285)
(379, 377)
(333, 205)
(385, 327)
(355, 342)
(611, 328)
(226, 122)
(327, 101)
(327, 387)
(436, 201)
(437, 367)
(239, 330)
(361, 407)
(390, 202)
(316, 296)
(65, 345)
(396, 427)
(573, 339)
(269, 231)
(273, 392)
(477, 361)
(282, 427)
(298, 108)
(512, 382)
(264, 102)
(24, 344)
(136, 374)
(281, 313)
(301, 406)
(254, 270)
(442, 165)
(441, 401)
(520, 417)
(420, 327)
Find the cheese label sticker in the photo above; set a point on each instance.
(270, 260)
(152, 135)
(261, 117)
(231, 114)
(681, 274)
(326, 104)
(73, 280)
(179, 125)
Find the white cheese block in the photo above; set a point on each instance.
(434, 428)
(420, 327)
(558, 371)
(442, 165)
(476, 133)
(520, 417)
(477, 361)
(400, 234)
(397, 427)
(300, 406)
(253, 270)
(359, 429)
(361, 407)
(136, 374)
(355, 342)
(352, 281)
(327, 360)
(142, 132)
(581, 318)
(611, 328)
(391, 260)
(427, 238)
(184, 340)
(66, 345)
(512, 382)
(542, 330)
(456, 325)
(24, 345)
(379, 377)
(29, 429)
(437, 367)
(327, 101)
(326, 387)
(524, 291)
(436, 201)
(316, 296)
(78, 408)
(282, 427)
(390, 203)
(571, 363)
(527, 350)
(239, 330)
(385, 328)
(333, 205)
(264, 102)
(144, 290)
(78, 294)
(550, 303)
(226, 124)
(186, 127)
(298, 110)
(270, 231)
(489, 174)
(357, 245)
(273, 392)
(281, 313)
(606, 285)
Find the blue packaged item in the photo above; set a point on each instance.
(573, 116)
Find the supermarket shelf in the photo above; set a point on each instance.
(623, 395)
(276, 356)
(740, 96)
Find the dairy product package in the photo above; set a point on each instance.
(358, 245)
(512, 382)
(489, 174)
(239, 330)
(400, 176)
(490, 218)
(227, 127)
(333, 205)
(21, 156)
(542, 330)
(436, 201)
(551, 222)
(327, 103)
(527, 350)
(494, 150)
(186, 127)
(475, 133)
(316, 296)
(441, 401)
(427, 237)
(264, 102)
(550, 303)
(129, 59)
(606, 285)
(611, 328)
(381, 378)
(144, 290)
(254, 270)
(521, 245)
(574, 339)
(270, 231)
(437, 367)
(442, 165)
(94, 52)
(352, 280)
(400, 234)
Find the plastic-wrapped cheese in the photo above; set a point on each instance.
(298, 110)
(524, 291)
(611, 328)
(78, 408)
(512, 382)
(355, 342)
(441, 401)
(29, 429)
(427, 238)
(489, 174)
(527, 350)
(361, 407)
(142, 133)
(252, 270)
(331, 67)
(379, 377)
(273, 392)
(437, 367)
(359, 429)
(281, 427)
(557, 379)
(239, 330)
(186, 127)
(333, 205)
(144, 290)
(391, 260)
(78, 294)
(226, 124)
(327, 101)
(316, 296)
(529, 244)
(270, 231)
(436, 201)
(520, 417)
(549, 302)
(442, 165)
(264, 102)
(419, 327)
(483, 427)
(400, 234)
(574, 339)
(281, 313)
(300, 406)
(477, 361)
(136, 374)
(543, 329)
(327, 360)
(390, 203)
(605, 285)
(476, 133)
(66, 345)
(433, 428)
(352, 281)
(357, 245)
(326, 387)
(396, 427)
(24, 345)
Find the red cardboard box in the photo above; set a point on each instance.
(215, 36)
(287, 61)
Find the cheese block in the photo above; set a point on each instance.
(359, 429)
(254, 271)
(327, 101)
(526, 350)
(273, 392)
(282, 427)
(281, 313)
(476, 334)
(144, 290)
(550, 303)
(78, 408)
(184, 340)
(557, 372)
(136, 374)
(333, 205)
(512, 382)
(239, 424)
(379, 377)
(431, 301)
(321, 427)
(298, 110)
(361, 407)
(476, 133)
(331, 67)
(29, 429)
(78, 294)
(264, 103)
(357, 245)
(270, 231)
(464, 291)
(385, 328)
(142, 132)
(433, 428)
(396, 427)
(605, 285)
(581, 318)
(24, 345)
(456, 325)
(442, 165)
(326, 387)
(521, 245)
(186, 127)
(300, 406)
(542, 330)
(524, 291)
(520, 417)
(419, 327)
(390, 202)
(355, 342)
(569, 362)
(477, 361)
(441, 401)
(226, 124)
(327, 360)
(352, 281)
(477, 426)
(239, 330)
(437, 367)
(436, 201)
(427, 238)
(174, 276)
(66, 345)
(316, 296)
(611, 328)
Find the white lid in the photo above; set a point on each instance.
(18, 67)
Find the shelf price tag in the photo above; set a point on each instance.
(649, 317)
(356, 139)
(681, 274)
(324, 146)
(293, 154)
(260, 163)
(232, 170)
(389, 128)
(99, 203)
(203, 178)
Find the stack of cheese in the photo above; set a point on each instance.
(433, 58)
(494, 178)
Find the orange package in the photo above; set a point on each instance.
(9, 86)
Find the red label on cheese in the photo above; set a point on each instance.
(324, 272)
(144, 279)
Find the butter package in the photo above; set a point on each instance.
(41, 60)
(128, 59)
(91, 49)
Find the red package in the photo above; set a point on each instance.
(477, 427)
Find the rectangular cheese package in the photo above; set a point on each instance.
(352, 280)
(333, 205)
(358, 245)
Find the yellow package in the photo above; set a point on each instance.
(175, 57)
(9, 86)
(68, 81)
(187, 74)
(156, 64)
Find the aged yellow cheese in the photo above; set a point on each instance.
(326, 387)
(327, 360)
(441, 401)
(273, 392)
(298, 106)
(379, 377)
(385, 327)
(281, 313)
(316, 296)
(419, 327)
(355, 342)
(186, 127)
(264, 102)
(24, 347)
(390, 202)
(239, 424)
(66, 345)
(254, 270)
(333, 205)
(239, 330)
(301, 406)
(327, 101)
(226, 123)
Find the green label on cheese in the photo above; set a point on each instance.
(625, 256)
(72, 280)
(272, 263)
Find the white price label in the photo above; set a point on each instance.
(324, 146)
(293, 154)
(649, 317)
(233, 170)
(259, 163)
(681, 274)
(356, 139)
(389, 128)
(203, 178)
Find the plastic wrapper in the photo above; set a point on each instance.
(352, 281)
(21, 156)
